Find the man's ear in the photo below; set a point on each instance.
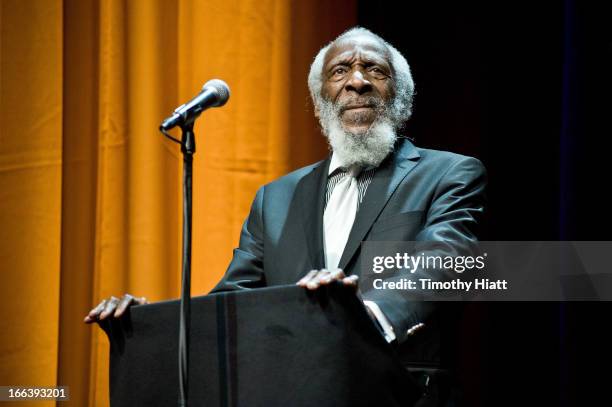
(316, 111)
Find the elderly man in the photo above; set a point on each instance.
(307, 226)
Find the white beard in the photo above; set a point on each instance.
(365, 149)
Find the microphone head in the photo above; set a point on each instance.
(221, 88)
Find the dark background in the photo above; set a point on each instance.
(525, 87)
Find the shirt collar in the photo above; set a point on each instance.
(336, 163)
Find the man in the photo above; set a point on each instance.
(377, 186)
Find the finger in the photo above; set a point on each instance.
(351, 281)
(302, 282)
(95, 313)
(337, 274)
(125, 302)
(97, 310)
(89, 320)
(109, 308)
(309, 276)
(315, 280)
(329, 276)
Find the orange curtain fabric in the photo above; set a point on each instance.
(90, 192)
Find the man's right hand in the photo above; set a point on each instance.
(114, 307)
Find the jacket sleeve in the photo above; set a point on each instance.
(450, 229)
(246, 268)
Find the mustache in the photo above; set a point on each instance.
(367, 101)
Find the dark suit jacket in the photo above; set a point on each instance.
(416, 195)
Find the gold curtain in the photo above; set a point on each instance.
(90, 192)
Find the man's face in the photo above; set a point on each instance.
(357, 79)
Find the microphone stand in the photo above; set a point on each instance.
(187, 143)
(188, 149)
(215, 93)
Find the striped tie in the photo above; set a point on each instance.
(339, 216)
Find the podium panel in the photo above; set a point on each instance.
(278, 346)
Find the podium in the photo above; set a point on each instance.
(277, 346)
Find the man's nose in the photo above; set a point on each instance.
(358, 82)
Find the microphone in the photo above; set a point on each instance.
(215, 93)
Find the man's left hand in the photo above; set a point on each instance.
(316, 278)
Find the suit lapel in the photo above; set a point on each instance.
(313, 185)
(386, 180)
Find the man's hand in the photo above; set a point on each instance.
(316, 278)
(113, 306)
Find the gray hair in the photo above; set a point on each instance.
(404, 85)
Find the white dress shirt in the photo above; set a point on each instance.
(363, 181)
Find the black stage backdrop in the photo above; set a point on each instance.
(525, 86)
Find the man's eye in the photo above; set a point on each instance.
(339, 71)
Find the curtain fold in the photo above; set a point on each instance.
(30, 190)
(90, 192)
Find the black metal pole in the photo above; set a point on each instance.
(188, 149)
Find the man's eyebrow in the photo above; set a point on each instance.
(340, 60)
(375, 59)
(369, 61)
(333, 65)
